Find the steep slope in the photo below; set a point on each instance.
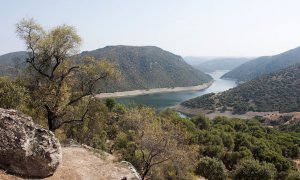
(264, 65)
(221, 64)
(148, 67)
(279, 91)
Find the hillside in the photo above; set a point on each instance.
(279, 91)
(10, 62)
(264, 65)
(221, 64)
(148, 67)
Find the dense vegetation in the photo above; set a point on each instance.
(165, 146)
(221, 64)
(147, 67)
(274, 92)
(264, 65)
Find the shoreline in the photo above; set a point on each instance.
(211, 115)
(153, 91)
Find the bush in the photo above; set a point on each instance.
(294, 175)
(110, 103)
(12, 95)
(211, 168)
(201, 121)
(252, 169)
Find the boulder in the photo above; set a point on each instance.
(27, 149)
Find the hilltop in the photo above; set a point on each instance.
(264, 65)
(279, 91)
(146, 67)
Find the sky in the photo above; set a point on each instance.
(184, 27)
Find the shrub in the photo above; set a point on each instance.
(211, 168)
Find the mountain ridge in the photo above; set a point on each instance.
(147, 67)
(264, 65)
(279, 91)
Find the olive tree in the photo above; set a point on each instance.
(56, 82)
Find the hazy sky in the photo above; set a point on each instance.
(184, 27)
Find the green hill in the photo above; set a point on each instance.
(148, 67)
(279, 91)
(264, 65)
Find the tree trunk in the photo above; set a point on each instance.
(52, 118)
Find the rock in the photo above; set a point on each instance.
(25, 148)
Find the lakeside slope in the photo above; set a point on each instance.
(154, 91)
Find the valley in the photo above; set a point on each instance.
(161, 101)
(150, 90)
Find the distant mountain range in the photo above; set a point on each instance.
(221, 64)
(142, 67)
(278, 91)
(264, 65)
(194, 61)
(146, 67)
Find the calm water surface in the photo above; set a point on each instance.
(164, 100)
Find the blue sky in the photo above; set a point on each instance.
(184, 27)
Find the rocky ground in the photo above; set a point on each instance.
(82, 163)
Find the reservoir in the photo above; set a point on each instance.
(161, 101)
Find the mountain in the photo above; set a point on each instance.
(10, 62)
(264, 65)
(145, 67)
(13, 58)
(221, 64)
(278, 91)
(194, 61)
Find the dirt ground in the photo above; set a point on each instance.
(83, 164)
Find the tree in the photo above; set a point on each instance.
(110, 103)
(159, 143)
(211, 168)
(252, 169)
(54, 80)
(201, 121)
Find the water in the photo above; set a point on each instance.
(161, 101)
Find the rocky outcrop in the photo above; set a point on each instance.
(25, 148)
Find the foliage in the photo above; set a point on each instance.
(201, 121)
(252, 169)
(211, 168)
(54, 81)
(92, 131)
(12, 95)
(294, 175)
(154, 143)
(110, 103)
